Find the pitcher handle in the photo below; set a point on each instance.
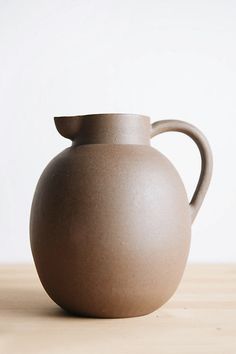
(197, 136)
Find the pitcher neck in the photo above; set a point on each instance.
(105, 129)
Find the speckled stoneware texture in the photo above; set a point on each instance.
(110, 222)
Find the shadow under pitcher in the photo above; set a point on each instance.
(110, 224)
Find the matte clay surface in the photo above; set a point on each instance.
(110, 222)
(199, 319)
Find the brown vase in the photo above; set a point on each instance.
(110, 221)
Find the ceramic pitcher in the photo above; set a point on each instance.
(110, 221)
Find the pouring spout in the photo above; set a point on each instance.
(68, 127)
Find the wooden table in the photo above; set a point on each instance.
(200, 318)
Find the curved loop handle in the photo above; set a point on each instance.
(205, 151)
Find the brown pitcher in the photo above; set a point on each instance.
(110, 221)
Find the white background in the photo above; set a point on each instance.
(167, 59)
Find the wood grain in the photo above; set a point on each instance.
(200, 318)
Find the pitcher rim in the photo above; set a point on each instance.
(104, 115)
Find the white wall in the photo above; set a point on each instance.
(166, 59)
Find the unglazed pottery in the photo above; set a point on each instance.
(110, 222)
